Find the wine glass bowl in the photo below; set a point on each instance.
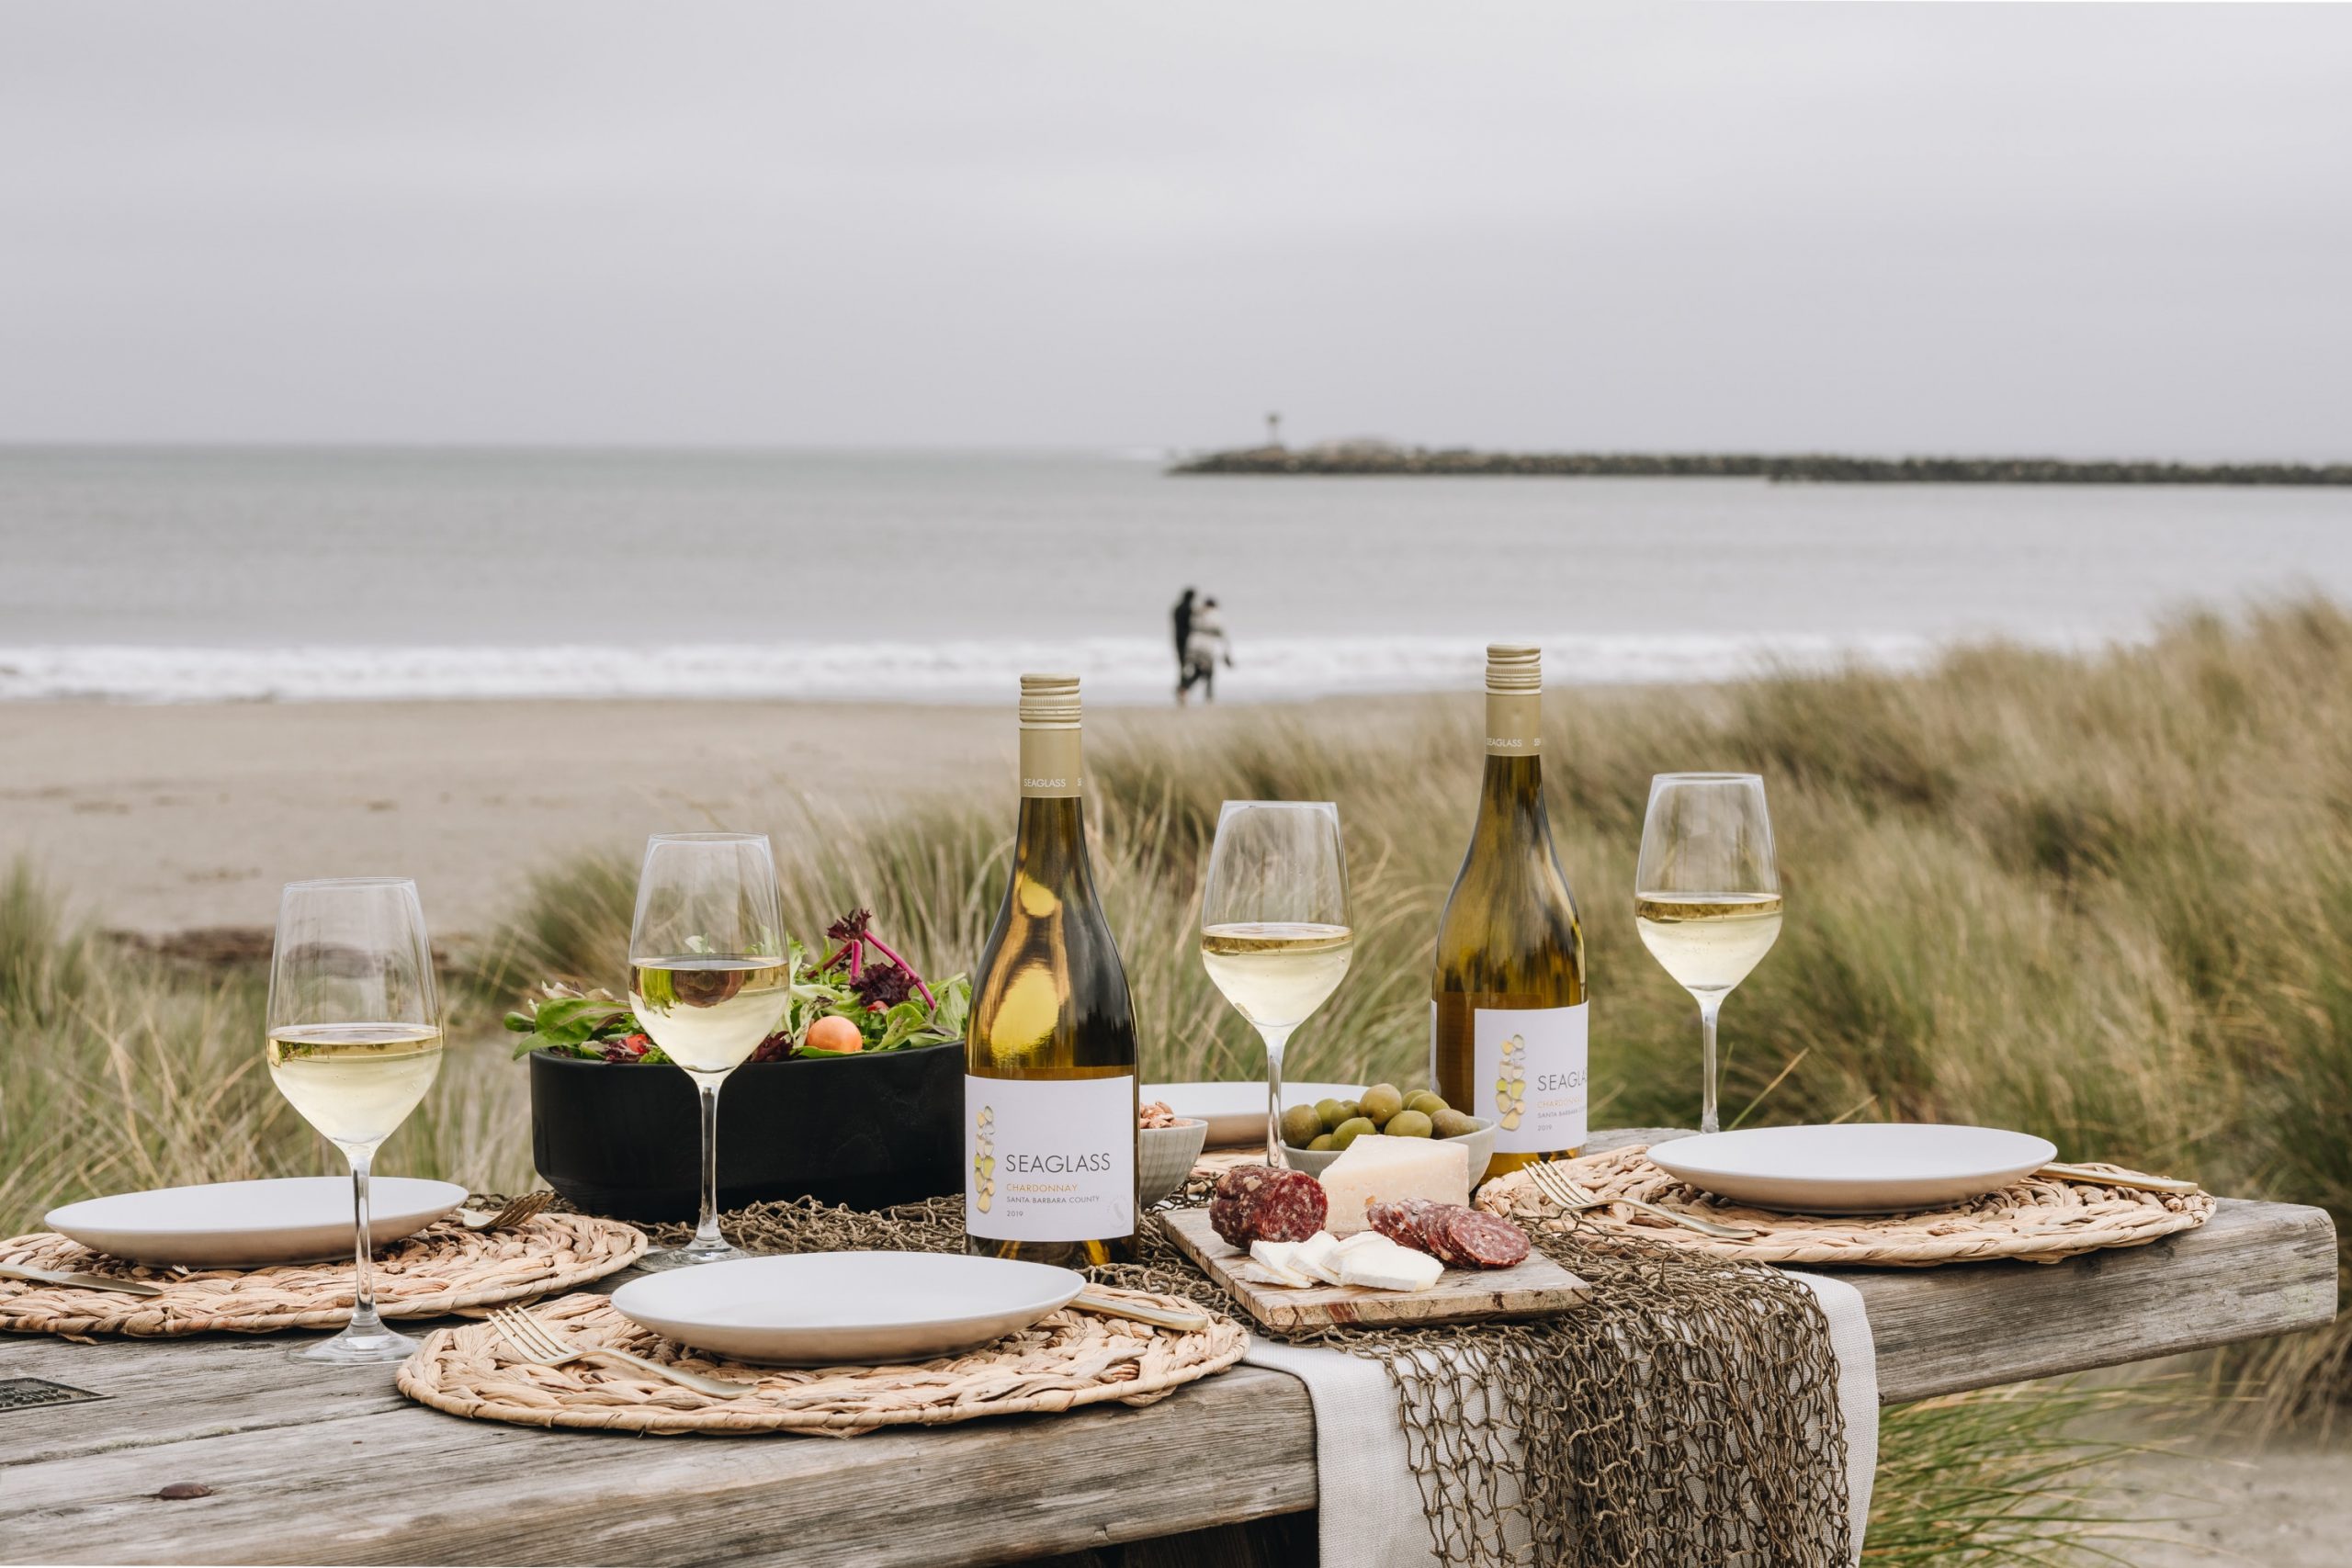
(1275, 936)
(1707, 894)
(709, 981)
(354, 1041)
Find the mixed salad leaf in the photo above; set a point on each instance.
(886, 1004)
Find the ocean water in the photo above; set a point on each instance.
(190, 576)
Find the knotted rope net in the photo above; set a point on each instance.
(1687, 1415)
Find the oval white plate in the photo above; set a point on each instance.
(845, 1308)
(1236, 1112)
(251, 1225)
(1857, 1167)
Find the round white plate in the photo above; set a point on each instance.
(1236, 1112)
(251, 1225)
(845, 1308)
(1856, 1167)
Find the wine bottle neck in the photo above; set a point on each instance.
(1050, 849)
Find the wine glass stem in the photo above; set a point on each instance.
(706, 1236)
(1710, 1008)
(1275, 1040)
(364, 1321)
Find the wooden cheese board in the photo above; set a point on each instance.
(1534, 1289)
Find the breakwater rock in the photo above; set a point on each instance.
(1365, 458)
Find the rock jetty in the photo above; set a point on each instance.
(1379, 457)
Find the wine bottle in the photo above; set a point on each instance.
(1049, 1054)
(1506, 999)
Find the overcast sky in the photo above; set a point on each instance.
(2100, 230)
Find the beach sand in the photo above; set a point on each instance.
(160, 820)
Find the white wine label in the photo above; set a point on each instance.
(1049, 764)
(1049, 1160)
(1530, 1077)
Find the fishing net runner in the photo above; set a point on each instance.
(1687, 1415)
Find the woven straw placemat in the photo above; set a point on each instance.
(2039, 1219)
(440, 1270)
(1068, 1359)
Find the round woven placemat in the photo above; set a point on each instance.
(2039, 1219)
(1068, 1359)
(440, 1270)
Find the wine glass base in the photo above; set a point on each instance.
(688, 1257)
(349, 1350)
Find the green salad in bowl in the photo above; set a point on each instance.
(862, 998)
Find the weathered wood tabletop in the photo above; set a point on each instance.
(312, 1464)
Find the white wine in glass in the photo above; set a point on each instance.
(707, 979)
(354, 1041)
(1275, 930)
(1707, 895)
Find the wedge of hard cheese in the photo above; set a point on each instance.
(1376, 1168)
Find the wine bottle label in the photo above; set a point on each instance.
(1528, 1077)
(1514, 723)
(1049, 762)
(1049, 1160)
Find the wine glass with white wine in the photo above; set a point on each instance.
(707, 978)
(1707, 894)
(1274, 931)
(355, 1041)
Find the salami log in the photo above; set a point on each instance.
(1259, 1202)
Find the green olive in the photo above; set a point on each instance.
(1348, 1131)
(1408, 1124)
(1454, 1123)
(1301, 1125)
(1350, 1111)
(1381, 1102)
(1322, 1143)
(1428, 1102)
(1331, 1112)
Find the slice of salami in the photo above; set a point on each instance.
(1488, 1241)
(1258, 1202)
(1395, 1218)
(1437, 1239)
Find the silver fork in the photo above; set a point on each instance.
(529, 1206)
(1572, 1199)
(534, 1341)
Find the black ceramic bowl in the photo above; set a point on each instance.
(624, 1139)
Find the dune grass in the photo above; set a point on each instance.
(2106, 898)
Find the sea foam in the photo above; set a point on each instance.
(1114, 669)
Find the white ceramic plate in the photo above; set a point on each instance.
(1236, 1112)
(1857, 1168)
(845, 1308)
(251, 1225)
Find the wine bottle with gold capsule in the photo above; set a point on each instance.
(1506, 998)
(1049, 1054)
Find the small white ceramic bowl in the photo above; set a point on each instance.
(1479, 1141)
(1165, 1157)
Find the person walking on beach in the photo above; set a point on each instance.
(1182, 617)
(1204, 645)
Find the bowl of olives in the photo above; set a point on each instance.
(1314, 1135)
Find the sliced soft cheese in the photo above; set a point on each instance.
(1359, 1241)
(1280, 1260)
(1392, 1267)
(1318, 1255)
(1376, 1168)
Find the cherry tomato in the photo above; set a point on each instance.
(834, 1033)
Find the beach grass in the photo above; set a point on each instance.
(2106, 898)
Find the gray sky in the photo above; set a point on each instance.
(2101, 230)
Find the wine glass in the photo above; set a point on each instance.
(1707, 893)
(1274, 931)
(708, 978)
(354, 1042)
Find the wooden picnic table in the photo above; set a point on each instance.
(332, 1465)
